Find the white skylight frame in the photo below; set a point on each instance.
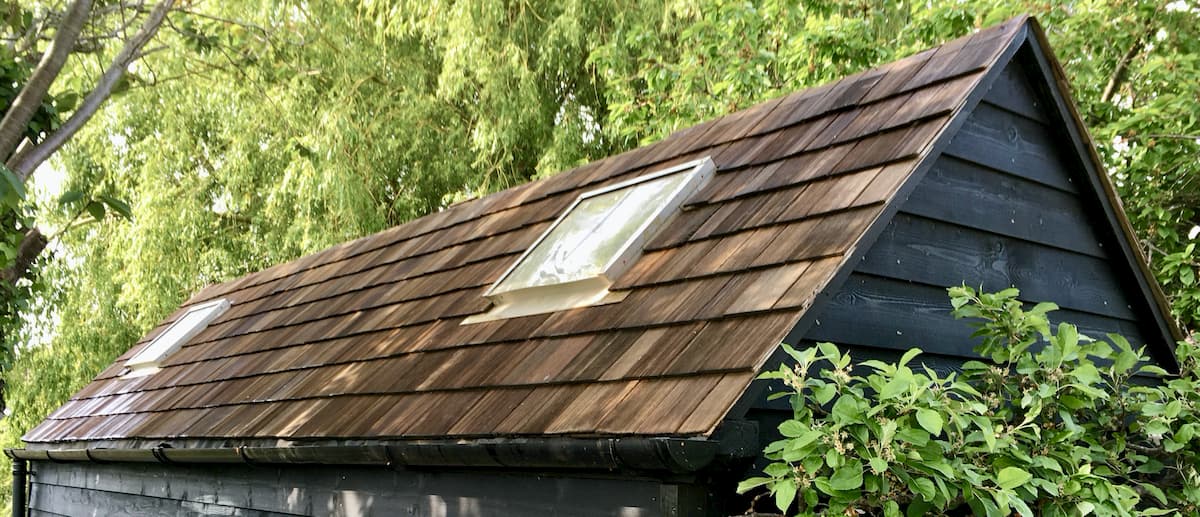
(514, 301)
(190, 323)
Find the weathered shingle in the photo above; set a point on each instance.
(364, 340)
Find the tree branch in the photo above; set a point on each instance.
(1118, 75)
(1161, 136)
(31, 246)
(23, 108)
(91, 103)
(1121, 71)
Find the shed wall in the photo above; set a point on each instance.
(1005, 205)
(78, 489)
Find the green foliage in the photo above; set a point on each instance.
(1054, 423)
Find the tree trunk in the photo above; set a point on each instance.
(16, 120)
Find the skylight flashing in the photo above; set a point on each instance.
(596, 239)
(196, 319)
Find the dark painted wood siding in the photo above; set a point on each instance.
(155, 489)
(1004, 205)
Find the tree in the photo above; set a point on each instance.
(22, 155)
(31, 129)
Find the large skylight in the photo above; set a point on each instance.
(596, 239)
(187, 326)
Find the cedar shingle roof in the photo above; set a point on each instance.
(363, 340)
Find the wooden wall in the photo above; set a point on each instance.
(1005, 205)
(156, 489)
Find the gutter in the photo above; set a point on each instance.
(676, 455)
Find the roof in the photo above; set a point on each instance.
(371, 328)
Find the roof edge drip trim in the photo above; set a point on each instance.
(680, 455)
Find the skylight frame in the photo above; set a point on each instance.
(577, 291)
(149, 358)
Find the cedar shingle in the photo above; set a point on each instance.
(372, 327)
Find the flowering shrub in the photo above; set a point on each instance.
(1054, 423)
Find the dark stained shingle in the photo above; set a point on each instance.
(364, 340)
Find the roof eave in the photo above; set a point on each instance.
(642, 454)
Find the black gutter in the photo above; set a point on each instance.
(677, 455)
(19, 486)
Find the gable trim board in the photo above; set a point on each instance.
(813, 137)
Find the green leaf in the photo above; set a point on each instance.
(930, 420)
(751, 484)
(1012, 477)
(829, 350)
(777, 470)
(909, 355)
(118, 206)
(848, 477)
(96, 209)
(918, 508)
(1154, 491)
(785, 493)
(66, 101)
(792, 428)
(914, 436)
(811, 497)
(1043, 308)
(846, 410)
(824, 392)
(894, 388)
(69, 197)
(924, 488)
(11, 187)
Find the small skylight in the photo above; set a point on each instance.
(595, 240)
(187, 326)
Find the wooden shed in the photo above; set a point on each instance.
(587, 344)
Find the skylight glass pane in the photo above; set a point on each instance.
(584, 242)
(183, 329)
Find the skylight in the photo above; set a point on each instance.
(595, 240)
(186, 327)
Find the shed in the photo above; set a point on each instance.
(540, 352)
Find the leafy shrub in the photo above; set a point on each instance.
(1055, 424)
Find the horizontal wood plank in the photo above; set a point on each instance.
(905, 315)
(1004, 141)
(958, 191)
(938, 253)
